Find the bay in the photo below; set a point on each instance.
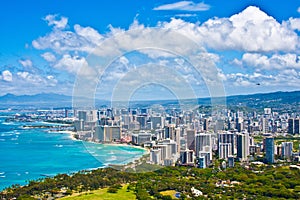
(29, 154)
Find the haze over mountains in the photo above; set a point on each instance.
(51, 100)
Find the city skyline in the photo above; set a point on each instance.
(253, 45)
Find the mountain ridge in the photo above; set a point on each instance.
(53, 99)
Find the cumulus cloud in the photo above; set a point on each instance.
(6, 76)
(275, 61)
(70, 63)
(290, 78)
(251, 30)
(90, 34)
(27, 78)
(293, 23)
(184, 6)
(50, 57)
(26, 63)
(264, 44)
(56, 21)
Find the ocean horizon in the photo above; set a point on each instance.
(31, 154)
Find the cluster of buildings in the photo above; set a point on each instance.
(193, 138)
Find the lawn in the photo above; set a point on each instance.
(102, 194)
(169, 192)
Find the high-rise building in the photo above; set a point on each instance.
(269, 148)
(243, 146)
(141, 137)
(286, 150)
(187, 157)
(190, 139)
(142, 119)
(203, 142)
(291, 126)
(205, 124)
(107, 133)
(225, 150)
(264, 125)
(157, 121)
(296, 126)
(226, 137)
(155, 156)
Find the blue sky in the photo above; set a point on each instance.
(44, 44)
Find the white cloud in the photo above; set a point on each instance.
(26, 78)
(298, 10)
(6, 76)
(294, 23)
(268, 47)
(70, 63)
(50, 57)
(184, 6)
(251, 30)
(23, 75)
(26, 63)
(53, 20)
(88, 33)
(273, 62)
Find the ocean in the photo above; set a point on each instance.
(30, 154)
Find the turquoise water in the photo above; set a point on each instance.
(29, 154)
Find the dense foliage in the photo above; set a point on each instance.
(257, 182)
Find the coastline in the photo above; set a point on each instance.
(134, 159)
(73, 133)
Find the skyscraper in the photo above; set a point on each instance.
(269, 142)
(286, 150)
(296, 126)
(243, 146)
(190, 139)
(291, 126)
(224, 150)
(202, 143)
(226, 137)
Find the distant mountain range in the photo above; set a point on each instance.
(274, 99)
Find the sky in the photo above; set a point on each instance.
(238, 47)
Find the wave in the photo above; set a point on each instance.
(59, 145)
(6, 134)
(111, 153)
(1, 173)
(113, 158)
(2, 176)
(7, 123)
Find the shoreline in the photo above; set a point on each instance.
(146, 150)
(72, 136)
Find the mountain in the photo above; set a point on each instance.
(37, 100)
(278, 100)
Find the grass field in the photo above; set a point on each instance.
(102, 194)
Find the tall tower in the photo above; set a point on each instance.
(243, 146)
(291, 126)
(286, 149)
(203, 143)
(269, 142)
(296, 126)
